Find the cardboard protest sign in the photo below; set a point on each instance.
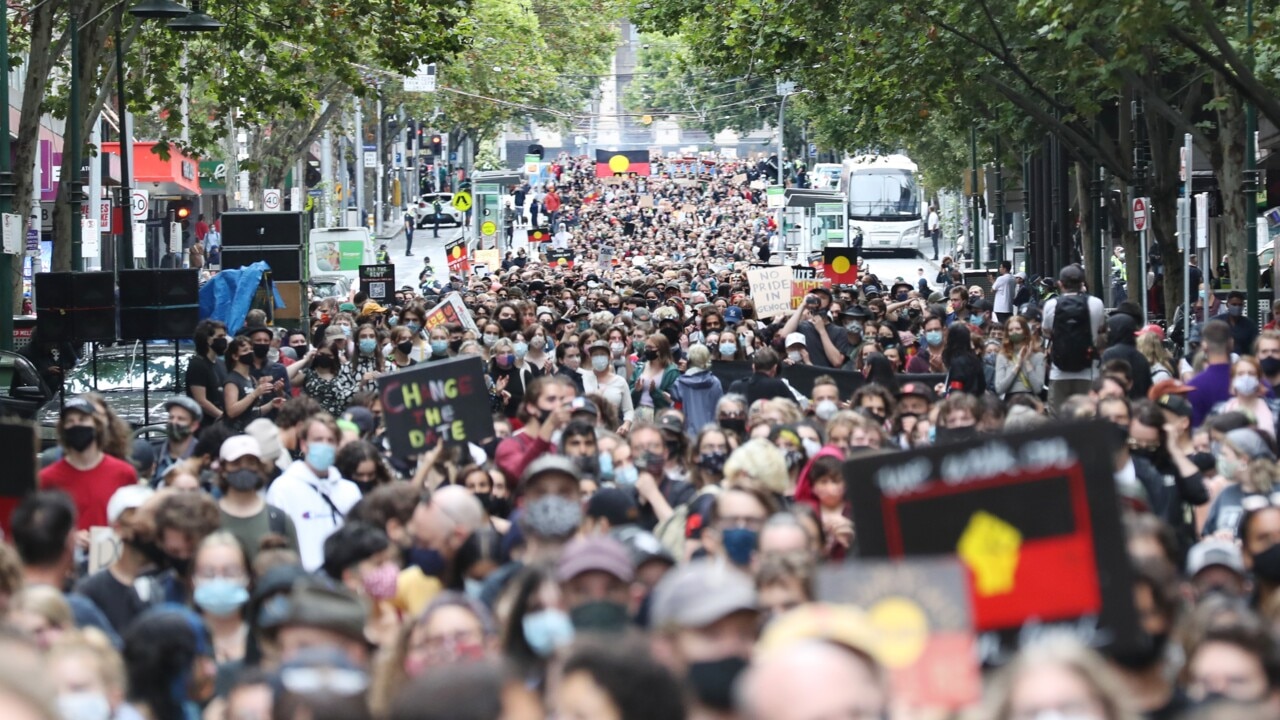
(923, 625)
(803, 281)
(451, 310)
(491, 258)
(770, 290)
(442, 399)
(455, 252)
(104, 548)
(378, 281)
(1032, 516)
(646, 201)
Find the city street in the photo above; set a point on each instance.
(426, 249)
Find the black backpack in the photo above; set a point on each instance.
(1072, 347)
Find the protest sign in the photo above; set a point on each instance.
(104, 548)
(491, 258)
(922, 622)
(455, 251)
(770, 290)
(451, 310)
(440, 400)
(378, 282)
(804, 280)
(560, 257)
(1033, 517)
(646, 201)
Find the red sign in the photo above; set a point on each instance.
(1139, 214)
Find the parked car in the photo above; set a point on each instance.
(22, 391)
(449, 215)
(120, 381)
(324, 286)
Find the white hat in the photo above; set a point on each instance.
(127, 498)
(237, 446)
(268, 437)
(795, 339)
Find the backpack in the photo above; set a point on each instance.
(1072, 347)
(673, 531)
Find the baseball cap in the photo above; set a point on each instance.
(795, 338)
(347, 307)
(372, 307)
(127, 498)
(143, 455)
(699, 593)
(80, 405)
(614, 505)
(598, 553)
(186, 403)
(237, 446)
(1213, 551)
(268, 437)
(670, 423)
(918, 389)
(1168, 387)
(322, 605)
(1174, 403)
(583, 405)
(362, 418)
(732, 315)
(1153, 328)
(547, 464)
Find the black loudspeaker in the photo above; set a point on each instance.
(241, 229)
(76, 307)
(159, 304)
(285, 263)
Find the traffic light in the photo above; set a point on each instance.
(411, 137)
(437, 145)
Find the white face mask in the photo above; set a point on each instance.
(795, 356)
(811, 446)
(826, 409)
(84, 706)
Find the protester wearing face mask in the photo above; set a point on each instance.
(183, 423)
(658, 493)
(601, 379)
(1249, 395)
(244, 398)
(88, 678)
(1247, 461)
(87, 474)
(704, 620)
(312, 491)
(401, 355)
(206, 371)
(244, 513)
(361, 557)
(929, 357)
(825, 398)
(220, 577)
(595, 575)
(263, 341)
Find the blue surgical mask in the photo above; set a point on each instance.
(220, 596)
(473, 588)
(933, 337)
(346, 330)
(606, 467)
(320, 456)
(739, 544)
(489, 339)
(522, 349)
(547, 630)
(977, 319)
(368, 345)
(626, 475)
(599, 363)
(413, 327)
(439, 347)
(393, 320)
(728, 348)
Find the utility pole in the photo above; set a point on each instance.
(74, 141)
(976, 257)
(1251, 271)
(358, 139)
(377, 200)
(6, 195)
(998, 196)
(326, 175)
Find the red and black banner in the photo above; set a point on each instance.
(1033, 517)
(840, 265)
(622, 164)
(561, 258)
(540, 235)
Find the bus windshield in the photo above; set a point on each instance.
(883, 195)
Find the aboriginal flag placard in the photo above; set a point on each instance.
(540, 235)
(1032, 517)
(626, 162)
(455, 251)
(560, 257)
(840, 265)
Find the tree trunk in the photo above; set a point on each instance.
(39, 61)
(1229, 167)
(1163, 182)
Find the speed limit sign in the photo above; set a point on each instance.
(271, 199)
(140, 202)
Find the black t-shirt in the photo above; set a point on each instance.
(119, 602)
(210, 375)
(244, 386)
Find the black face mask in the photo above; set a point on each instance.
(672, 335)
(508, 325)
(322, 362)
(218, 345)
(1144, 657)
(737, 425)
(243, 480)
(600, 616)
(1266, 565)
(79, 437)
(650, 354)
(245, 359)
(405, 347)
(454, 345)
(947, 435)
(1270, 366)
(713, 681)
(260, 350)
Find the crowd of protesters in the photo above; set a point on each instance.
(640, 538)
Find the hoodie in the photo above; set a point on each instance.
(317, 506)
(804, 484)
(697, 392)
(1121, 345)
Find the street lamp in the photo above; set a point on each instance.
(181, 19)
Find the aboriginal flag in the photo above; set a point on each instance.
(540, 235)
(629, 162)
(840, 265)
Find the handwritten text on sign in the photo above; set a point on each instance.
(441, 400)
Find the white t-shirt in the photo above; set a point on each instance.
(1003, 287)
(1096, 311)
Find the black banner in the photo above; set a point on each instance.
(378, 282)
(441, 399)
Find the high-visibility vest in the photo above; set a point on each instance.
(1119, 272)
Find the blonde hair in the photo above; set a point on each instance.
(47, 602)
(1070, 654)
(699, 356)
(93, 644)
(758, 463)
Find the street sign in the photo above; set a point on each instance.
(140, 241)
(488, 228)
(271, 199)
(370, 158)
(423, 81)
(1140, 209)
(12, 234)
(462, 201)
(141, 203)
(786, 88)
(89, 238)
(175, 237)
(295, 199)
(1202, 224)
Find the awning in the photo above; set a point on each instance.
(811, 197)
(175, 177)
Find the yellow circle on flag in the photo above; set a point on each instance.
(488, 227)
(619, 163)
(840, 265)
(457, 252)
(562, 261)
(903, 628)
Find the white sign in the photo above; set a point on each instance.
(89, 238)
(139, 241)
(1140, 208)
(770, 290)
(141, 202)
(786, 88)
(104, 215)
(775, 197)
(1202, 221)
(175, 237)
(424, 81)
(271, 198)
(13, 244)
(295, 199)
(370, 159)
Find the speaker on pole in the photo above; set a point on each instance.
(76, 307)
(159, 304)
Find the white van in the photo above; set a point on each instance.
(340, 251)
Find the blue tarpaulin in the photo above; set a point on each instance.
(228, 296)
